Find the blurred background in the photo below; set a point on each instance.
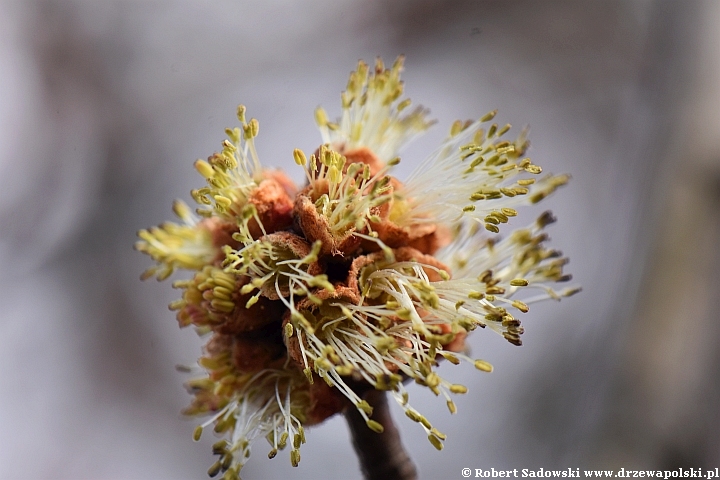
(105, 105)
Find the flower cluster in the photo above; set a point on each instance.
(309, 297)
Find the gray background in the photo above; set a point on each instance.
(105, 105)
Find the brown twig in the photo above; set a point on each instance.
(381, 455)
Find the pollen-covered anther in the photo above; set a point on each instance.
(435, 441)
(520, 306)
(375, 426)
(484, 366)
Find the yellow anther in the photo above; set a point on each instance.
(321, 117)
(334, 174)
(204, 169)
(483, 366)
(177, 305)
(456, 388)
(500, 216)
(220, 448)
(508, 149)
(364, 406)
(520, 306)
(345, 370)
(215, 469)
(223, 305)
(451, 358)
(252, 301)
(375, 426)
(432, 380)
(222, 201)
(299, 157)
(323, 364)
(403, 105)
(438, 433)
(384, 344)
(456, 127)
(254, 128)
(413, 415)
(488, 116)
(283, 440)
(403, 313)
(436, 442)
(241, 113)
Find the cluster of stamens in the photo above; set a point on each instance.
(310, 297)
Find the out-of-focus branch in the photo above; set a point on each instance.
(381, 455)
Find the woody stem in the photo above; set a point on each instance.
(381, 455)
